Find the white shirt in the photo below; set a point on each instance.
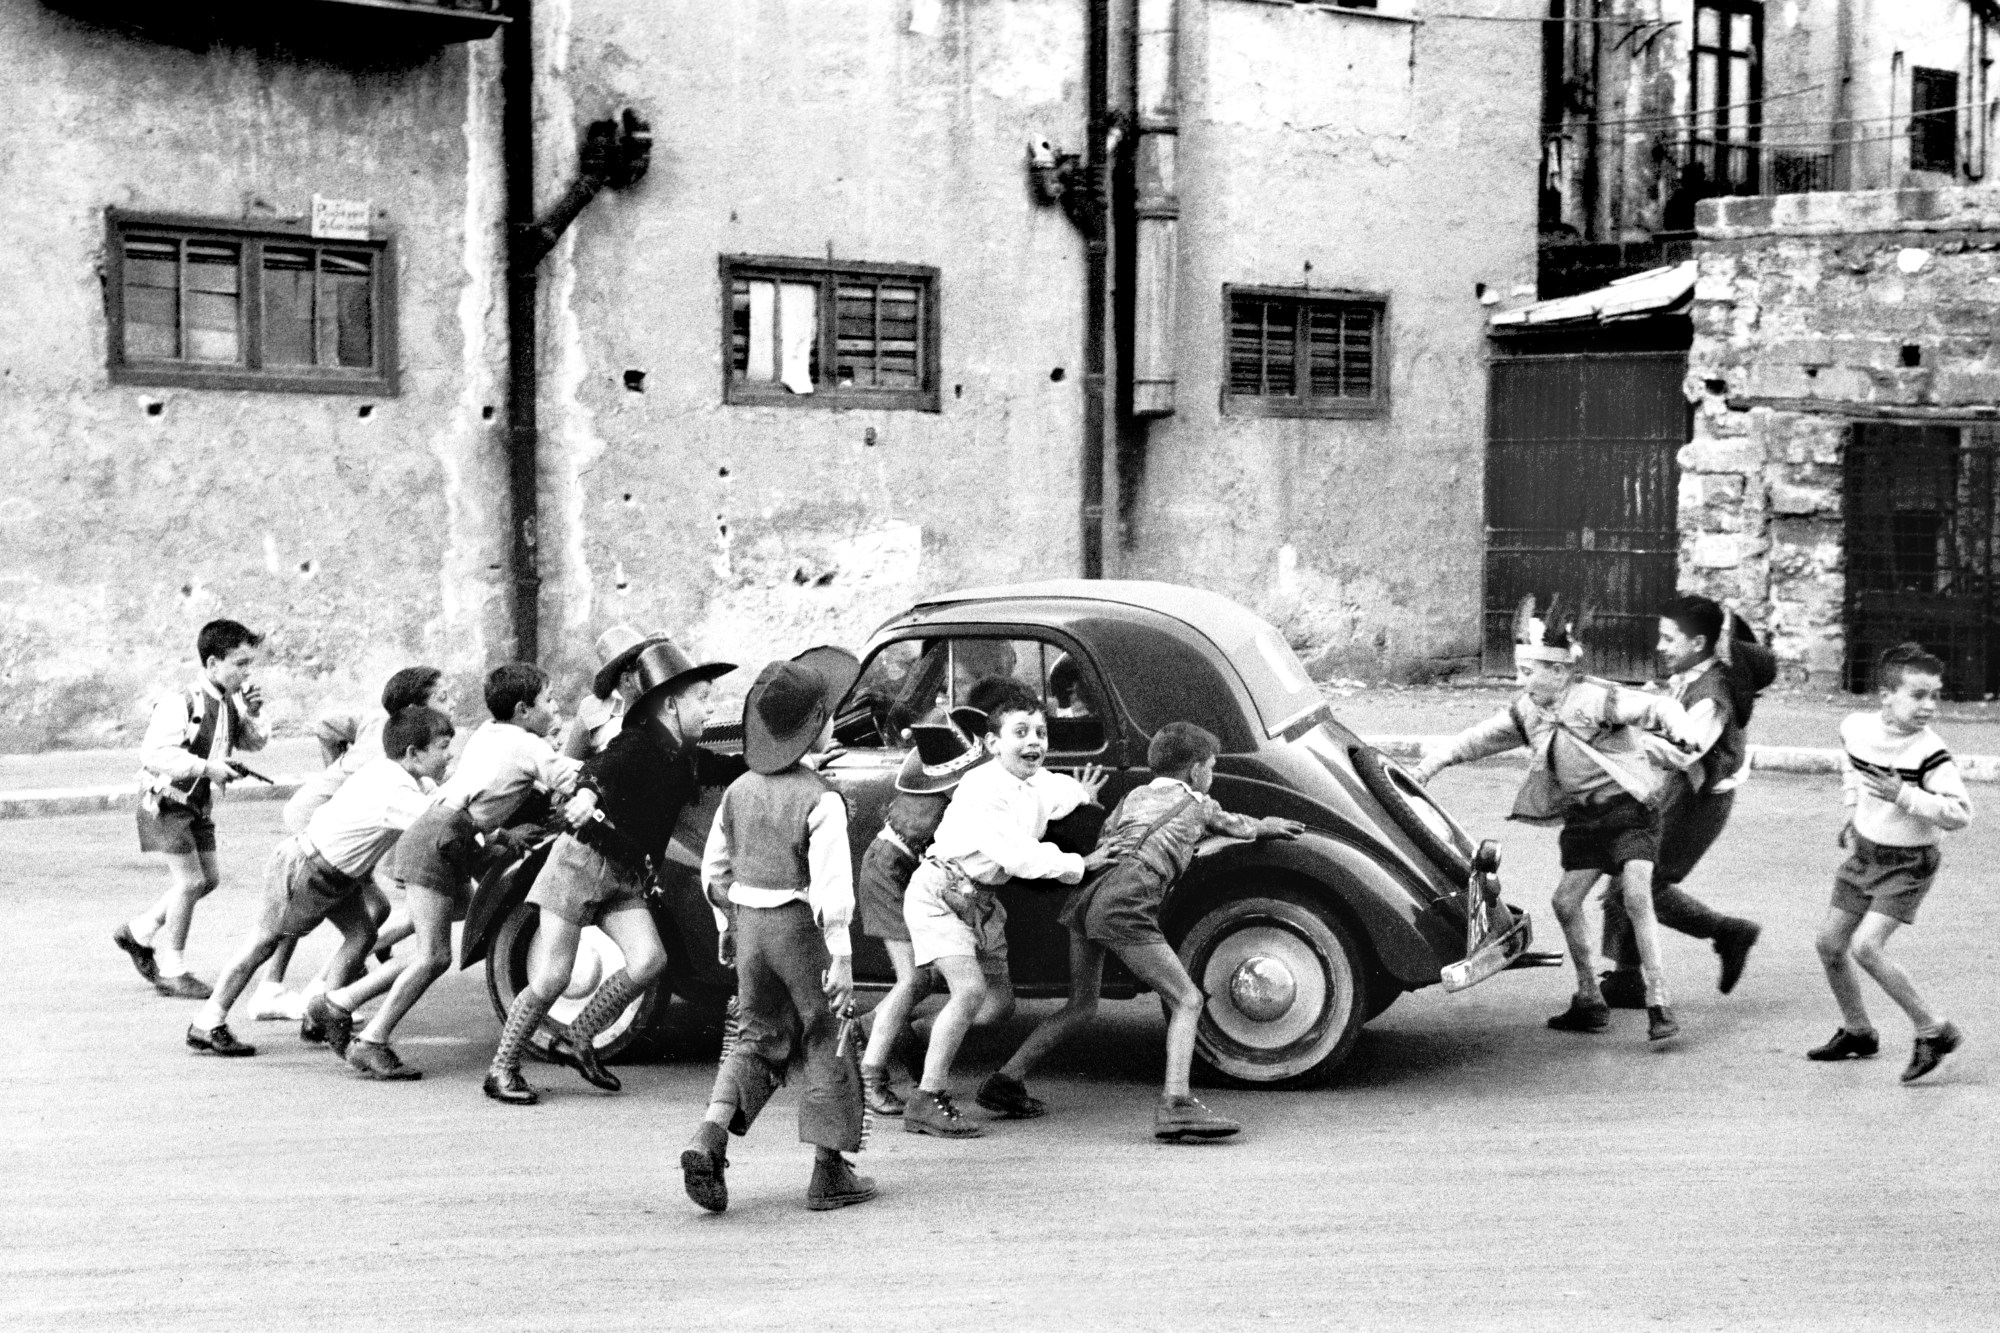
(500, 765)
(362, 820)
(830, 893)
(160, 753)
(366, 745)
(993, 827)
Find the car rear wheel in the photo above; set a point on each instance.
(1287, 989)
(630, 1035)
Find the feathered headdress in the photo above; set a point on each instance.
(1545, 639)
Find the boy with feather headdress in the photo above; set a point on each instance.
(1601, 755)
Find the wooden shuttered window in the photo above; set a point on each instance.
(1292, 354)
(1934, 120)
(228, 306)
(807, 333)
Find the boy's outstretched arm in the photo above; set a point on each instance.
(1496, 735)
(1941, 800)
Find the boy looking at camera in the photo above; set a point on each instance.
(318, 875)
(1902, 792)
(777, 874)
(990, 833)
(1593, 770)
(1146, 845)
(184, 761)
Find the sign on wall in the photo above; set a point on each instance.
(340, 219)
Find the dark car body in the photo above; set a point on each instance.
(1297, 942)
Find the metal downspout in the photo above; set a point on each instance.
(1096, 271)
(517, 132)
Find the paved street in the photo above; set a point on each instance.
(1469, 1170)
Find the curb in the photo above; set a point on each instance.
(28, 803)
(1795, 759)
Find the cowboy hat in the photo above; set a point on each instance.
(789, 704)
(616, 649)
(943, 754)
(663, 667)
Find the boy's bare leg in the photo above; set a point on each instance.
(1836, 934)
(967, 983)
(215, 1009)
(1868, 949)
(551, 959)
(1159, 967)
(338, 972)
(194, 876)
(1086, 978)
(892, 1015)
(1571, 890)
(408, 977)
(1635, 890)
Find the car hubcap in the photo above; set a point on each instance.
(1262, 988)
(1270, 986)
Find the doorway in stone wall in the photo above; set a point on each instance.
(1582, 490)
(1921, 500)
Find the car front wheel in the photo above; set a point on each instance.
(597, 957)
(1287, 989)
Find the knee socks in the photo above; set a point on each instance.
(613, 994)
(522, 1019)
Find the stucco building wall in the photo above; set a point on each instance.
(356, 530)
(1330, 149)
(1803, 310)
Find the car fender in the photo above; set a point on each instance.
(501, 889)
(1408, 937)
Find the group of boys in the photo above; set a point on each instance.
(1641, 782)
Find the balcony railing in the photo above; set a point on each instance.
(303, 25)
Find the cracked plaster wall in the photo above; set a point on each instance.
(1343, 150)
(132, 515)
(1803, 308)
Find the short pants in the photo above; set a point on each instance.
(1886, 879)
(440, 852)
(937, 932)
(301, 889)
(174, 828)
(878, 890)
(1120, 908)
(1604, 835)
(582, 885)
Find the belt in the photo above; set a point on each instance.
(320, 863)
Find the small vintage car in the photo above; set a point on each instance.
(1296, 943)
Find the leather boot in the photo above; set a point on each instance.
(834, 1184)
(703, 1163)
(876, 1091)
(581, 1056)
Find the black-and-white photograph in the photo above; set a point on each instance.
(999, 664)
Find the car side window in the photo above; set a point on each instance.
(1065, 686)
(898, 686)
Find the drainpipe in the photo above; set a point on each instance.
(615, 154)
(1089, 212)
(517, 130)
(1157, 209)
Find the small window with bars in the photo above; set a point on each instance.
(808, 333)
(220, 306)
(1293, 354)
(1934, 120)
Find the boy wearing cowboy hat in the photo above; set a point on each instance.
(601, 712)
(777, 873)
(942, 754)
(1594, 770)
(627, 801)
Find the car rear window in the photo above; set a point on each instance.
(1285, 695)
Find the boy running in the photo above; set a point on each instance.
(446, 848)
(1593, 770)
(318, 875)
(1902, 791)
(777, 874)
(1147, 844)
(184, 760)
(991, 832)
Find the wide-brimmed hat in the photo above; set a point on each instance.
(617, 647)
(943, 753)
(789, 704)
(663, 666)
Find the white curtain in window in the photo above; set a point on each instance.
(763, 347)
(798, 326)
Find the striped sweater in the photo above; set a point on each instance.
(1933, 800)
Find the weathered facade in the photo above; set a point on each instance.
(827, 356)
(1818, 319)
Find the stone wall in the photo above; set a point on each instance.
(1811, 312)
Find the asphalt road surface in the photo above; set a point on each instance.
(1468, 1169)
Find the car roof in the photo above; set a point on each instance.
(1278, 683)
